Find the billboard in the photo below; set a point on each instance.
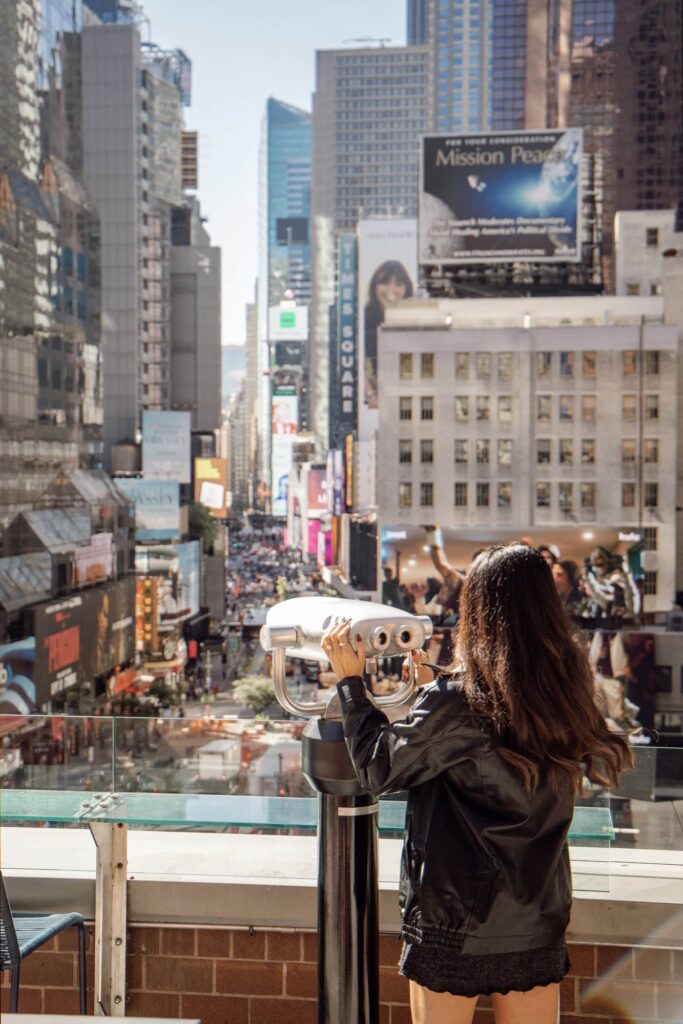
(109, 623)
(387, 273)
(58, 627)
(284, 426)
(288, 323)
(177, 590)
(317, 491)
(211, 485)
(499, 197)
(94, 562)
(157, 507)
(347, 334)
(17, 675)
(166, 446)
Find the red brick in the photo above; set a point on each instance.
(144, 940)
(216, 1009)
(178, 942)
(670, 1002)
(678, 965)
(389, 950)
(582, 961)
(61, 1000)
(242, 978)
(310, 947)
(400, 1014)
(385, 1013)
(67, 941)
(301, 980)
(134, 972)
(283, 1011)
(153, 1004)
(653, 964)
(483, 1017)
(618, 998)
(392, 987)
(214, 942)
(615, 961)
(175, 974)
(583, 1019)
(249, 945)
(30, 999)
(283, 946)
(568, 994)
(55, 969)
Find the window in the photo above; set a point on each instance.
(504, 495)
(462, 408)
(628, 452)
(544, 364)
(543, 409)
(651, 407)
(504, 365)
(505, 453)
(589, 363)
(482, 448)
(426, 495)
(426, 451)
(588, 408)
(651, 495)
(566, 408)
(651, 237)
(588, 496)
(650, 538)
(628, 408)
(405, 451)
(566, 496)
(482, 495)
(405, 408)
(482, 408)
(566, 364)
(462, 365)
(405, 495)
(566, 452)
(483, 365)
(588, 451)
(461, 495)
(543, 495)
(651, 362)
(651, 450)
(505, 408)
(629, 362)
(405, 365)
(633, 289)
(543, 451)
(426, 408)
(460, 452)
(649, 583)
(427, 365)
(628, 495)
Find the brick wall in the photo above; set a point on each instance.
(228, 976)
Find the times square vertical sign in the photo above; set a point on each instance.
(347, 347)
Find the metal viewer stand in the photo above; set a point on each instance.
(348, 973)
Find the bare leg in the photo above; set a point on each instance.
(541, 1005)
(429, 1007)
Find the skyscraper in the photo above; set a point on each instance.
(369, 110)
(416, 22)
(50, 364)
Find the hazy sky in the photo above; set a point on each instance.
(242, 52)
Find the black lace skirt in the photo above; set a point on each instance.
(464, 975)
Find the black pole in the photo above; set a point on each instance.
(348, 931)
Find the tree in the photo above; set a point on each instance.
(256, 692)
(202, 524)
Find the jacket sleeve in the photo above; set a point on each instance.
(390, 757)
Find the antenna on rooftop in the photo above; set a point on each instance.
(368, 39)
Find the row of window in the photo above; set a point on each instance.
(483, 491)
(566, 408)
(483, 364)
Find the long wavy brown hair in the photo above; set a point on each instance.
(526, 671)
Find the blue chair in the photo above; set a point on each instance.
(21, 934)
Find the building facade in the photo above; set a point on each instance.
(549, 419)
(369, 109)
(50, 361)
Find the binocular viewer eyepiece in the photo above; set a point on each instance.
(295, 628)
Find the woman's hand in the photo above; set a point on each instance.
(342, 656)
(423, 672)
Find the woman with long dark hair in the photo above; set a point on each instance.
(389, 283)
(492, 755)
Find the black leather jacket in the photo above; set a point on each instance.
(485, 865)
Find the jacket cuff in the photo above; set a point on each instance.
(352, 690)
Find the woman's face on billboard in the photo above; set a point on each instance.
(390, 290)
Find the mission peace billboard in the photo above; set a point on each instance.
(500, 197)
